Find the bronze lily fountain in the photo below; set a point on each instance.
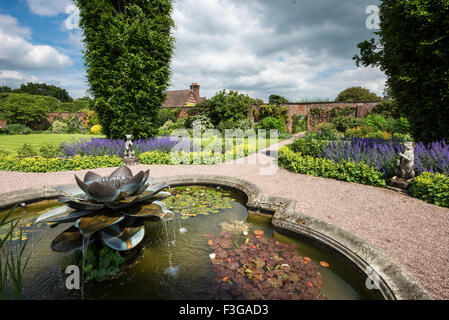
(112, 209)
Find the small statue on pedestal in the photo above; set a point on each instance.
(130, 158)
(405, 172)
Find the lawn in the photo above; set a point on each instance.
(13, 142)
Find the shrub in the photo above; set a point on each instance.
(272, 123)
(308, 147)
(168, 114)
(26, 150)
(344, 170)
(96, 129)
(432, 188)
(25, 108)
(18, 128)
(58, 126)
(343, 123)
(377, 121)
(49, 150)
(271, 110)
(229, 106)
(40, 164)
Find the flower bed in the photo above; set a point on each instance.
(40, 164)
(371, 162)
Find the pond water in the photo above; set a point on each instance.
(176, 262)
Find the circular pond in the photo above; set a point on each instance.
(214, 248)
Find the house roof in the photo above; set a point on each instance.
(176, 98)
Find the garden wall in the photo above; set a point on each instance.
(361, 109)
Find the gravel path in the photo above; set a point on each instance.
(412, 232)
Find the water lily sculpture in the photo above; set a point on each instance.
(112, 208)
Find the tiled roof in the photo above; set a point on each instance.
(176, 98)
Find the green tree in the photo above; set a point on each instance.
(357, 94)
(25, 108)
(230, 105)
(43, 89)
(129, 45)
(413, 51)
(277, 99)
(5, 89)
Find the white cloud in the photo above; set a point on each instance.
(14, 79)
(48, 7)
(258, 48)
(16, 52)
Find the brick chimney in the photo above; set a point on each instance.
(195, 87)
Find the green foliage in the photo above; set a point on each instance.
(376, 121)
(26, 150)
(18, 128)
(345, 171)
(5, 89)
(229, 106)
(77, 105)
(272, 123)
(357, 94)
(49, 150)
(43, 89)
(128, 51)
(343, 123)
(271, 110)
(299, 123)
(155, 157)
(277, 99)
(387, 108)
(58, 126)
(170, 126)
(13, 262)
(308, 147)
(41, 164)
(432, 188)
(99, 263)
(413, 52)
(168, 114)
(26, 109)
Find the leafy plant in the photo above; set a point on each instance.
(12, 266)
(18, 128)
(58, 126)
(49, 150)
(321, 167)
(412, 51)
(432, 188)
(26, 150)
(128, 48)
(99, 263)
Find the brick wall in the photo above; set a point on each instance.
(361, 109)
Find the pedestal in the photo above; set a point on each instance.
(130, 161)
(400, 183)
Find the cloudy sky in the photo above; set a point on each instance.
(296, 48)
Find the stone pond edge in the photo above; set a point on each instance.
(395, 282)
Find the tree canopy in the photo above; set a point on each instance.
(129, 45)
(43, 89)
(277, 99)
(357, 94)
(413, 51)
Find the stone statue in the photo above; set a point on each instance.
(129, 151)
(405, 172)
(405, 166)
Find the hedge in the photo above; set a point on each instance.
(345, 171)
(40, 164)
(432, 188)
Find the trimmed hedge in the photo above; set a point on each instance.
(345, 171)
(432, 188)
(40, 164)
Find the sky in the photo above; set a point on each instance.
(299, 49)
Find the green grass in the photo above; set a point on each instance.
(13, 142)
